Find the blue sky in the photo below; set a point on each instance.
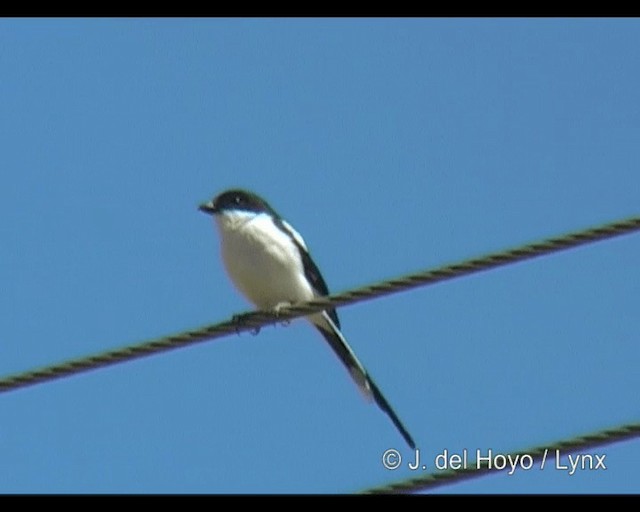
(392, 146)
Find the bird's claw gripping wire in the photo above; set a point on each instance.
(278, 308)
(242, 319)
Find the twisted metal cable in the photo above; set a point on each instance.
(253, 321)
(537, 454)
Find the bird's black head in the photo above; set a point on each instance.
(237, 199)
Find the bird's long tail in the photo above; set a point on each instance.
(365, 383)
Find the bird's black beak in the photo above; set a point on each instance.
(208, 208)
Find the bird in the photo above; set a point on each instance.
(269, 263)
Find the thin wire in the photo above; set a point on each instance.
(253, 321)
(538, 454)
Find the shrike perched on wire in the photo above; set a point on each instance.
(268, 261)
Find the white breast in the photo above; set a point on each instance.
(262, 261)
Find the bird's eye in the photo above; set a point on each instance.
(237, 199)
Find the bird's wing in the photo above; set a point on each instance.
(311, 270)
(328, 324)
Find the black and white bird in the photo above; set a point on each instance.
(269, 263)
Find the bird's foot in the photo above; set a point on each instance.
(279, 307)
(242, 319)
